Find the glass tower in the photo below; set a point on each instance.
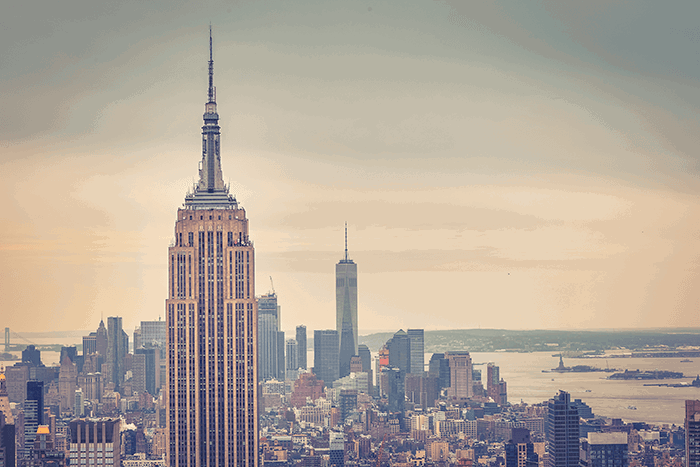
(346, 309)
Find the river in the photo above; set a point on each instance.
(607, 398)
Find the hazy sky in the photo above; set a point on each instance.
(516, 165)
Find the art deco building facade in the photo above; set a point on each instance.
(346, 310)
(212, 413)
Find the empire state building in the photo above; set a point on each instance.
(212, 407)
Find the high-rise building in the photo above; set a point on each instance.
(153, 334)
(281, 362)
(212, 381)
(31, 355)
(268, 329)
(366, 357)
(605, 450)
(493, 377)
(326, 356)
(78, 403)
(137, 338)
(460, 364)
(336, 448)
(7, 427)
(439, 368)
(147, 370)
(400, 351)
(301, 346)
(95, 442)
(33, 413)
(692, 433)
(417, 337)
(346, 309)
(117, 348)
(67, 383)
(90, 343)
(101, 339)
(292, 355)
(561, 431)
(520, 451)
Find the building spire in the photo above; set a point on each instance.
(212, 89)
(346, 241)
(211, 191)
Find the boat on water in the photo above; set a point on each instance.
(631, 407)
(685, 360)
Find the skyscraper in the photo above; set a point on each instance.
(561, 431)
(7, 427)
(460, 364)
(520, 451)
(292, 355)
(268, 328)
(326, 356)
(33, 413)
(400, 351)
(346, 309)
(301, 346)
(212, 414)
(117, 348)
(417, 337)
(692, 433)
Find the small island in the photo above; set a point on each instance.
(7, 357)
(655, 374)
(577, 368)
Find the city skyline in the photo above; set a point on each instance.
(540, 162)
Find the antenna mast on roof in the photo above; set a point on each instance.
(346, 241)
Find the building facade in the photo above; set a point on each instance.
(606, 450)
(301, 346)
(692, 433)
(211, 319)
(460, 364)
(561, 425)
(117, 348)
(95, 442)
(326, 356)
(417, 337)
(268, 330)
(346, 309)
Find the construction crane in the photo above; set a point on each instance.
(381, 450)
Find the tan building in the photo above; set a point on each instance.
(211, 324)
(95, 442)
(460, 375)
(67, 384)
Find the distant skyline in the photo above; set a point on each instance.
(500, 165)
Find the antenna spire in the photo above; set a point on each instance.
(346, 241)
(212, 90)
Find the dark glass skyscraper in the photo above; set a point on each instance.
(33, 413)
(268, 328)
(346, 309)
(417, 337)
(117, 348)
(212, 387)
(561, 429)
(301, 346)
(326, 356)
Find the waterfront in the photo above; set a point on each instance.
(607, 398)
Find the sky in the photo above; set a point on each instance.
(519, 165)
